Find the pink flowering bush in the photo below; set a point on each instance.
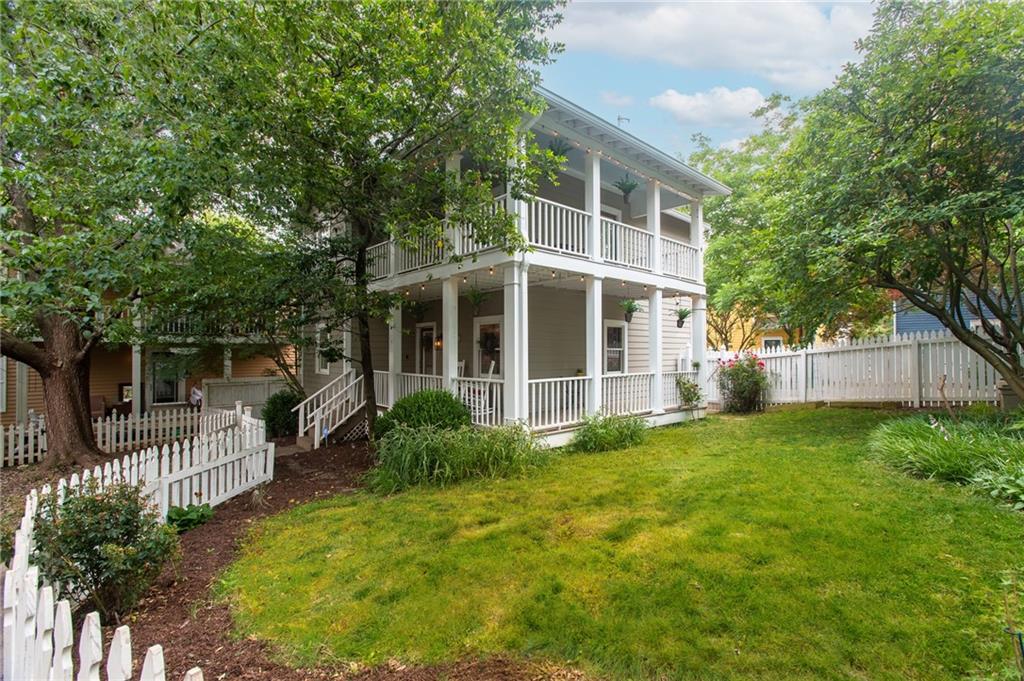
(743, 382)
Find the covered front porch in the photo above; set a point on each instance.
(539, 346)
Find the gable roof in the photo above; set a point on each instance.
(565, 117)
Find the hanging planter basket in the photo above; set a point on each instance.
(680, 323)
(629, 317)
(629, 307)
(682, 314)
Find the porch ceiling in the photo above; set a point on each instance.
(493, 279)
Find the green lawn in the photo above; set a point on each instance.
(767, 546)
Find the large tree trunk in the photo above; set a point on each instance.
(63, 365)
(362, 234)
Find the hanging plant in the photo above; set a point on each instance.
(416, 308)
(476, 299)
(559, 147)
(627, 185)
(630, 306)
(682, 314)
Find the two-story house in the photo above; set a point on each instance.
(539, 337)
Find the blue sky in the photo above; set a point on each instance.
(677, 68)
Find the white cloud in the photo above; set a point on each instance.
(794, 45)
(616, 99)
(719, 107)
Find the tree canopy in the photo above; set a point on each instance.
(908, 173)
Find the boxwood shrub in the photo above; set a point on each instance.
(436, 408)
(278, 415)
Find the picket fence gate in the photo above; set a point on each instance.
(903, 369)
(37, 631)
(25, 443)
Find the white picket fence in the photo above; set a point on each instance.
(37, 632)
(903, 369)
(26, 443)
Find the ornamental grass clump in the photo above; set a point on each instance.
(603, 433)
(104, 547)
(743, 383)
(431, 455)
(938, 448)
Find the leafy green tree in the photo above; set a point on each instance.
(107, 146)
(908, 173)
(358, 107)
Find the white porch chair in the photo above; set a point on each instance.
(460, 368)
(480, 400)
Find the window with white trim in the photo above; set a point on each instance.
(616, 360)
(771, 343)
(322, 365)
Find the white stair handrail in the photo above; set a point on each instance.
(311, 404)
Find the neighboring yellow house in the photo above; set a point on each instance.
(749, 334)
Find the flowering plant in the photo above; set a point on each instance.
(743, 382)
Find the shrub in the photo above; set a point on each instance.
(937, 448)
(278, 414)
(408, 456)
(184, 518)
(437, 408)
(103, 547)
(689, 392)
(742, 381)
(602, 433)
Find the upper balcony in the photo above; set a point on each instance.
(621, 206)
(560, 229)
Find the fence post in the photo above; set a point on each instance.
(804, 381)
(915, 371)
(238, 413)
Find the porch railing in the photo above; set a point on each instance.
(554, 226)
(557, 402)
(627, 393)
(669, 391)
(407, 384)
(483, 397)
(627, 245)
(679, 259)
(379, 257)
(381, 388)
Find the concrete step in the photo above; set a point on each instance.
(304, 443)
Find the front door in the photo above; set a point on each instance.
(614, 347)
(426, 353)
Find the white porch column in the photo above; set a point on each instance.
(227, 362)
(655, 348)
(20, 391)
(595, 342)
(592, 201)
(654, 222)
(453, 168)
(394, 352)
(697, 233)
(137, 396)
(524, 341)
(514, 343)
(699, 336)
(449, 331)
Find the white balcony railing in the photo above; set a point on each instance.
(557, 402)
(627, 393)
(379, 260)
(679, 259)
(549, 226)
(627, 245)
(560, 228)
(483, 397)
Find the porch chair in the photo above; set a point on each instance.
(479, 400)
(460, 368)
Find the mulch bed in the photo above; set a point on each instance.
(196, 631)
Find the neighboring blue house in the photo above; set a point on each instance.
(908, 319)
